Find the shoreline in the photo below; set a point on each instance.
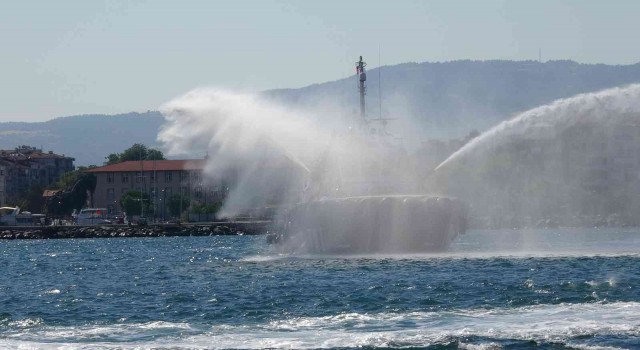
(152, 230)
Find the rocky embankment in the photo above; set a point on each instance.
(55, 232)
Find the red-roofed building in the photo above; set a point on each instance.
(159, 178)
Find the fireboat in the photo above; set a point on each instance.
(377, 218)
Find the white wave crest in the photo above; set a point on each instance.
(562, 323)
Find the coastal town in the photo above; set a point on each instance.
(43, 195)
(157, 190)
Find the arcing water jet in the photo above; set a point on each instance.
(572, 162)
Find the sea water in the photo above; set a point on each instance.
(508, 289)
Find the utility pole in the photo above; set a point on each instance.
(155, 191)
(141, 180)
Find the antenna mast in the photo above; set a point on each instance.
(540, 55)
(379, 83)
(362, 76)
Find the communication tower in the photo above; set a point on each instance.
(362, 77)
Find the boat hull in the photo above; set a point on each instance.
(373, 224)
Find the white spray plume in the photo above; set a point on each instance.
(259, 144)
(240, 133)
(274, 153)
(235, 126)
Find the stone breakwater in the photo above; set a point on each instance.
(61, 232)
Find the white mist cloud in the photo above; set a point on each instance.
(268, 147)
(242, 134)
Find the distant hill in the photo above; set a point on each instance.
(87, 138)
(442, 100)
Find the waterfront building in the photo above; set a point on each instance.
(25, 166)
(160, 179)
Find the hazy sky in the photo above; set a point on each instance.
(62, 58)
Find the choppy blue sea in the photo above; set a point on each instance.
(539, 289)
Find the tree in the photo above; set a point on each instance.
(213, 208)
(75, 186)
(33, 201)
(136, 152)
(113, 158)
(67, 180)
(130, 202)
(154, 154)
(174, 204)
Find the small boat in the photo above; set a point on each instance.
(91, 216)
(12, 216)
